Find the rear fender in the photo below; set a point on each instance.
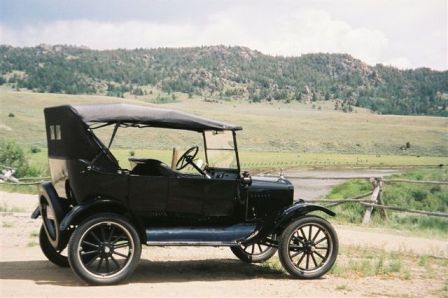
(95, 206)
(53, 209)
(79, 212)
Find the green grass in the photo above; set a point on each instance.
(277, 160)
(270, 160)
(276, 135)
(410, 196)
(295, 128)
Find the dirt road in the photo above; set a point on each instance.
(310, 189)
(187, 271)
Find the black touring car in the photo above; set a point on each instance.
(96, 215)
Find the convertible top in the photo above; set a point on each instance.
(69, 136)
(154, 117)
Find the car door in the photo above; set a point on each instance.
(148, 195)
(202, 197)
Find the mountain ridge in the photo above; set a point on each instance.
(222, 72)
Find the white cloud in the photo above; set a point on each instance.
(97, 35)
(405, 33)
(289, 33)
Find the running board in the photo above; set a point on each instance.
(184, 243)
(200, 236)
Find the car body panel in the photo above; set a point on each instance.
(220, 208)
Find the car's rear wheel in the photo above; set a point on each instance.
(254, 253)
(104, 249)
(308, 247)
(55, 256)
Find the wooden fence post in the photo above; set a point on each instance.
(174, 158)
(376, 184)
(380, 200)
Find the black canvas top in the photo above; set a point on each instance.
(135, 114)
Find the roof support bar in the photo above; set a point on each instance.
(236, 151)
(113, 134)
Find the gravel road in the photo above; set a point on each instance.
(189, 271)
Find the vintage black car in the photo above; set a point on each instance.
(100, 213)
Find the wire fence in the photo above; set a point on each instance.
(359, 162)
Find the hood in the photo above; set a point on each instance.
(275, 181)
(268, 195)
(271, 183)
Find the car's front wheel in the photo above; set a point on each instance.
(104, 249)
(254, 253)
(308, 247)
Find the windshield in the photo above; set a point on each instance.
(220, 149)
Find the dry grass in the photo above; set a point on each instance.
(294, 127)
(360, 262)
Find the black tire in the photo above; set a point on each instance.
(89, 254)
(305, 254)
(253, 253)
(50, 252)
(52, 212)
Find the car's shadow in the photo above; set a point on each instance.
(43, 272)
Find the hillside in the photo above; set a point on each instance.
(223, 73)
(267, 127)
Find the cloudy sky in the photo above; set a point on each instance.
(403, 33)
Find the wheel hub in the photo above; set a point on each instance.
(106, 250)
(309, 247)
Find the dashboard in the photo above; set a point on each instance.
(225, 174)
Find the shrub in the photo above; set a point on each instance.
(132, 153)
(35, 149)
(11, 155)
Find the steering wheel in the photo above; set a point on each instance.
(187, 158)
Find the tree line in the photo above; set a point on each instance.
(226, 72)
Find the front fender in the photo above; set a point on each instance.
(277, 223)
(297, 210)
(78, 212)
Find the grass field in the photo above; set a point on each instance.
(274, 160)
(276, 135)
(275, 127)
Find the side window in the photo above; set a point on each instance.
(52, 134)
(55, 132)
(58, 135)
